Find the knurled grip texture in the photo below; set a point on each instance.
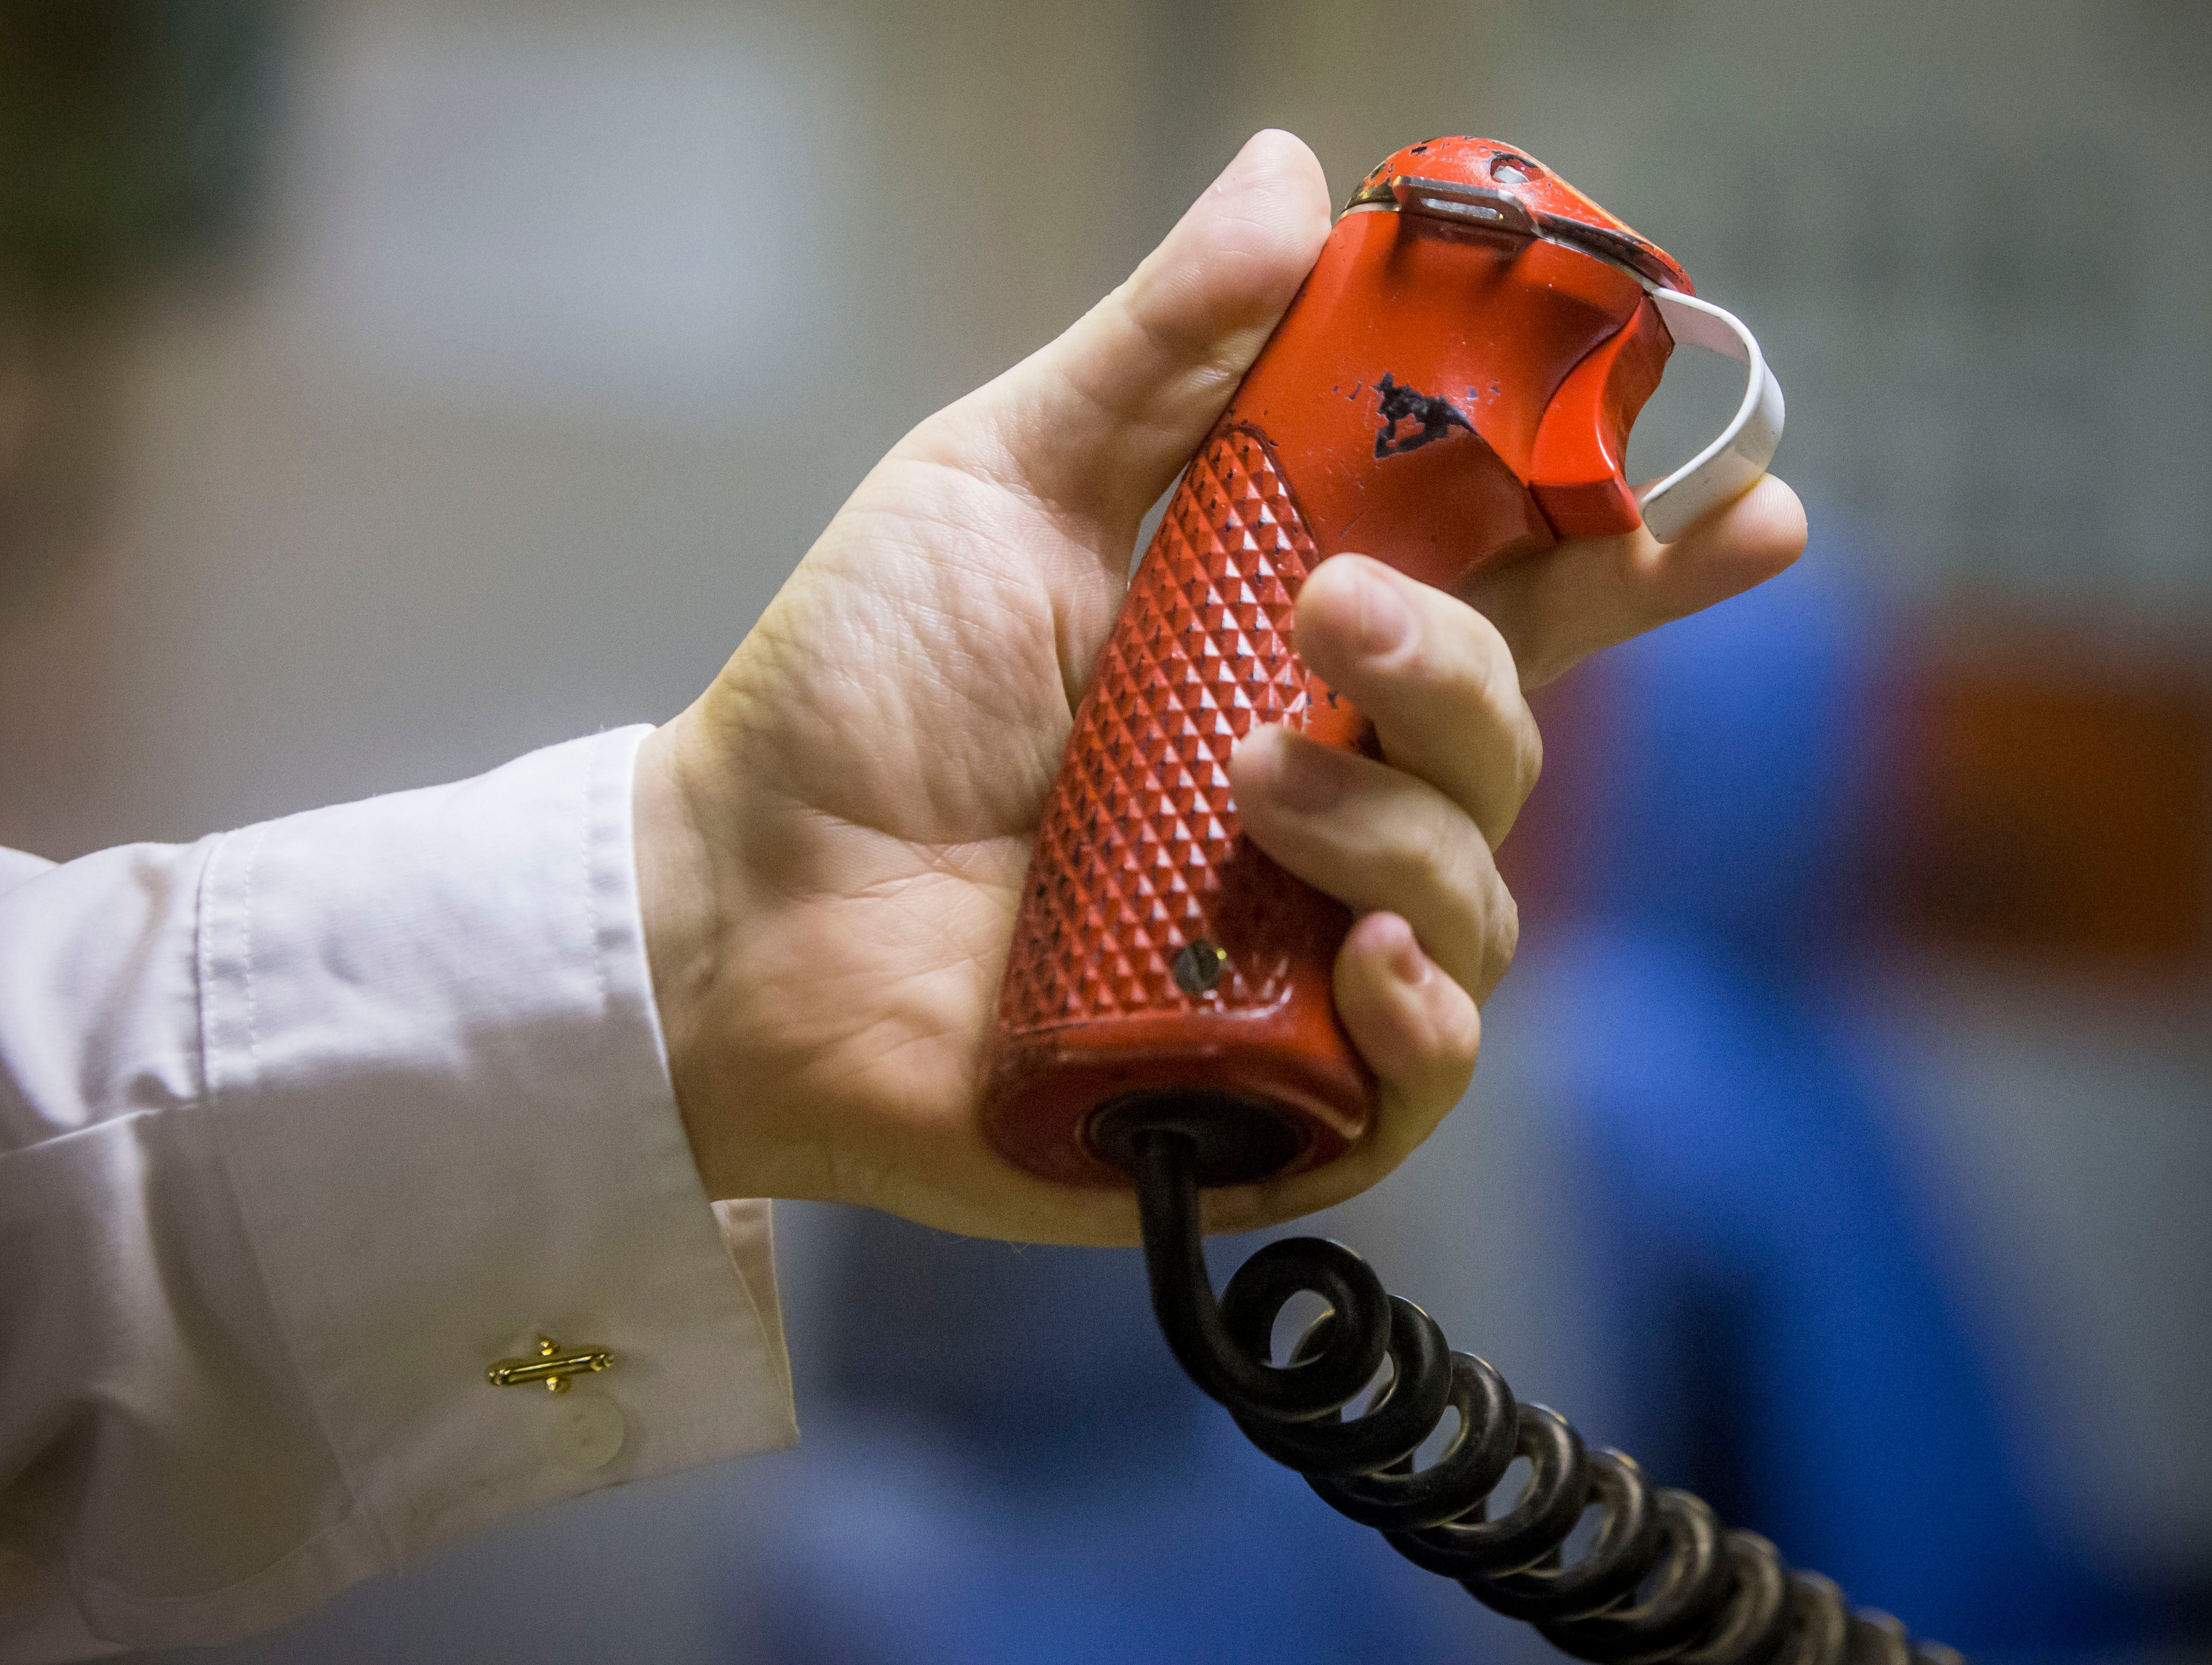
(1157, 949)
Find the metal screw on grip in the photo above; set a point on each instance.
(1199, 965)
(1662, 1580)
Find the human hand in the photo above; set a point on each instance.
(832, 839)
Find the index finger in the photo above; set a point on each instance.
(1558, 608)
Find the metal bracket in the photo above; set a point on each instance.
(1467, 204)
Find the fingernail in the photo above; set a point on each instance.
(1307, 777)
(1385, 620)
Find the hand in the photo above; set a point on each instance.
(831, 841)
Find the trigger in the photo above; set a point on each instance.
(1576, 473)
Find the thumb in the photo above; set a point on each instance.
(1097, 424)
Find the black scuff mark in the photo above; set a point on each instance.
(1436, 414)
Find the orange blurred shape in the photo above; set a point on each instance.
(2058, 803)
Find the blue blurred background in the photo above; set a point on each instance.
(389, 386)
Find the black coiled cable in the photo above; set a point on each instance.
(1662, 1580)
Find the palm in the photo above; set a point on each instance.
(932, 638)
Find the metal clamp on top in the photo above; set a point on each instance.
(1725, 469)
(1476, 204)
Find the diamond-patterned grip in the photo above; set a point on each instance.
(1140, 870)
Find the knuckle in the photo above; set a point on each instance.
(1493, 934)
(1502, 931)
(1498, 677)
(1427, 854)
(1459, 1034)
(1528, 755)
(1481, 681)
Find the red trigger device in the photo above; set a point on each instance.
(1453, 388)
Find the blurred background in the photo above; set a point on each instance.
(387, 388)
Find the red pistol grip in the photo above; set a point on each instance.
(1159, 950)
(1401, 409)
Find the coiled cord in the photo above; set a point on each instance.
(1662, 1580)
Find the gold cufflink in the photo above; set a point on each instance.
(552, 1366)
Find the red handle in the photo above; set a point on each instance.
(1159, 955)
(1157, 949)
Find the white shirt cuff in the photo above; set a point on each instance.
(434, 1078)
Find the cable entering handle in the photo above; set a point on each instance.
(1662, 1580)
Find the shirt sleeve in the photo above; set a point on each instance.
(302, 1128)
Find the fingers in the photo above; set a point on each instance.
(1559, 607)
(1418, 1030)
(1434, 675)
(1377, 838)
(1405, 843)
(1413, 854)
(1098, 421)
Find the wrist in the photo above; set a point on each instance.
(678, 900)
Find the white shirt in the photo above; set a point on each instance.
(301, 1128)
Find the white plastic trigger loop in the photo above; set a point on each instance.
(1724, 470)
